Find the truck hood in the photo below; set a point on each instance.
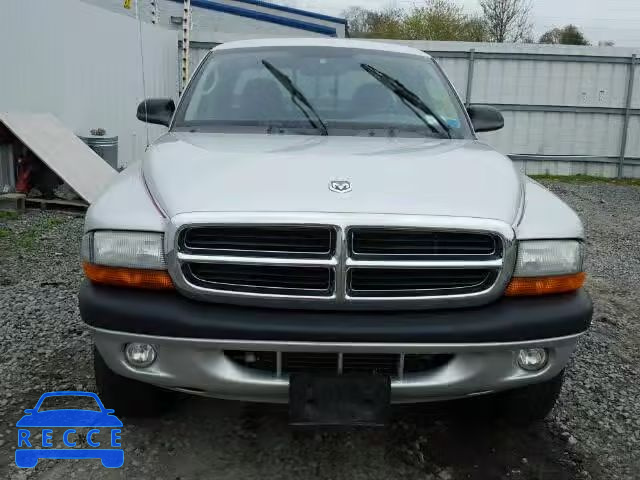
(215, 172)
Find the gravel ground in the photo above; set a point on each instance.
(594, 432)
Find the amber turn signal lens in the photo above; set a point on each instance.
(526, 286)
(128, 277)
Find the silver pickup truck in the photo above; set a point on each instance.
(321, 226)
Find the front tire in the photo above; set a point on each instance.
(129, 398)
(26, 459)
(528, 405)
(113, 459)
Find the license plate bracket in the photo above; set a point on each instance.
(339, 400)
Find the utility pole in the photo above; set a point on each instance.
(186, 28)
(154, 11)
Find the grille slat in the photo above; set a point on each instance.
(278, 274)
(412, 248)
(384, 241)
(262, 232)
(248, 245)
(259, 240)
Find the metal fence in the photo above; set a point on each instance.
(568, 110)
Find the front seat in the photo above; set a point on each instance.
(262, 99)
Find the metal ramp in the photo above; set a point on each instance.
(64, 153)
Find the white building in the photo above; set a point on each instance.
(223, 20)
(81, 59)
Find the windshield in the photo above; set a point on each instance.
(322, 91)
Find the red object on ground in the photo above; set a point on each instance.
(23, 182)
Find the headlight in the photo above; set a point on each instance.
(124, 249)
(121, 258)
(545, 267)
(549, 257)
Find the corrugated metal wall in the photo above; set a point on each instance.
(82, 64)
(564, 106)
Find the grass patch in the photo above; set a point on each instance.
(8, 215)
(588, 179)
(54, 222)
(26, 240)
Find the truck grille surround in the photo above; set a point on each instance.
(333, 266)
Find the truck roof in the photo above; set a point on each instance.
(320, 42)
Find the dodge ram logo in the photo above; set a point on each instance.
(340, 186)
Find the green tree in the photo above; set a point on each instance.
(475, 30)
(387, 23)
(443, 20)
(567, 35)
(374, 24)
(433, 20)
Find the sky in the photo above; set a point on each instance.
(617, 20)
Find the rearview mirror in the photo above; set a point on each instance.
(485, 118)
(156, 110)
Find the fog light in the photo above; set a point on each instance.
(140, 354)
(532, 359)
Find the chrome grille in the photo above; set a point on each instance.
(409, 243)
(382, 282)
(335, 265)
(391, 364)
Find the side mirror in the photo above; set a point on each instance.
(485, 118)
(156, 110)
(29, 411)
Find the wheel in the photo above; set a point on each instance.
(26, 459)
(528, 405)
(112, 459)
(129, 398)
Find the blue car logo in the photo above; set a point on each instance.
(94, 421)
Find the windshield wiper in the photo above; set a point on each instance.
(409, 98)
(298, 98)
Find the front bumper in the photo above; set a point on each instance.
(200, 366)
(191, 337)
